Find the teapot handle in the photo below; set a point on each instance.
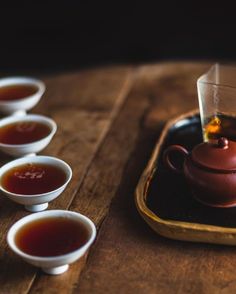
(167, 160)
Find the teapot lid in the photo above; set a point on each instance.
(220, 156)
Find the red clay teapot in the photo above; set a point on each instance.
(210, 170)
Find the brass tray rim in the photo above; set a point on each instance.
(180, 230)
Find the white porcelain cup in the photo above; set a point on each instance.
(37, 202)
(18, 150)
(20, 106)
(56, 264)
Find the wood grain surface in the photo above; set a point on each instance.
(108, 122)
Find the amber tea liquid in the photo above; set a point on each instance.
(51, 236)
(33, 178)
(23, 132)
(220, 125)
(16, 92)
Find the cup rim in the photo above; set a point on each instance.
(28, 117)
(35, 158)
(20, 80)
(46, 214)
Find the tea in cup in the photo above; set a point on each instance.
(34, 181)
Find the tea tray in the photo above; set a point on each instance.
(165, 202)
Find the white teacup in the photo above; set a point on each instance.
(20, 106)
(53, 265)
(18, 150)
(36, 202)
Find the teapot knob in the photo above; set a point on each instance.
(223, 143)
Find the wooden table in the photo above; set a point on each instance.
(108, 122)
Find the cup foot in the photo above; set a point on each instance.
(36, 207)
(19, 113)
(30, 154)
(56, 270)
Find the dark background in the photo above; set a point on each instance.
(77, 34)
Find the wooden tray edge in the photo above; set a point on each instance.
(178, 230)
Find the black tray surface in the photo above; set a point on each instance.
(169, 196)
